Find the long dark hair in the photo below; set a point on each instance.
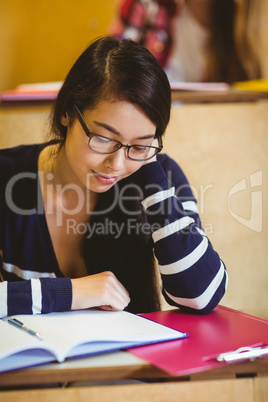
(112, 69)
(233, 48)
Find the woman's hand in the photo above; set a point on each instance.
(101, 290)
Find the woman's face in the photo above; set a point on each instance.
(117, 120)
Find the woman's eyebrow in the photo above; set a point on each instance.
(107, 127)
(114, 131)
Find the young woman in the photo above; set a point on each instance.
(84, 216)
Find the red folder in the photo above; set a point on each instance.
(221, 331)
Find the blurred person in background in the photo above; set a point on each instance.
(196, 40)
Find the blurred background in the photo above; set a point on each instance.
(40, 40)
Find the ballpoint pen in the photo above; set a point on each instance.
(20, 325)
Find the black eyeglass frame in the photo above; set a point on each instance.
(90, 135)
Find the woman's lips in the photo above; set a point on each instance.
(105, 179)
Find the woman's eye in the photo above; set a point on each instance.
(140, 149)
(101, 140)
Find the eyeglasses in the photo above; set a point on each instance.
(104, 145)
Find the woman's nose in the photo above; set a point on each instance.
(116, 160)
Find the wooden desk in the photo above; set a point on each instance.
(134, 380)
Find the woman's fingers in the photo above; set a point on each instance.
(100, 290)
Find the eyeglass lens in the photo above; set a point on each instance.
(105, 145)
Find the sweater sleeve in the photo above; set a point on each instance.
(193, 275)
(35, 296)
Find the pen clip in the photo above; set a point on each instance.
(243, 353)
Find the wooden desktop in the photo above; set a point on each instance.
(123, 376)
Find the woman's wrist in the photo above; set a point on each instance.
(151, 177)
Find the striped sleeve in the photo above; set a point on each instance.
(193, 275)
(35, 296)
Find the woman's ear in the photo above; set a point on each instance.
(65, 119)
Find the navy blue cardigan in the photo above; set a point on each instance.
(192, 273)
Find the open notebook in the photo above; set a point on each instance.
(76, 333)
